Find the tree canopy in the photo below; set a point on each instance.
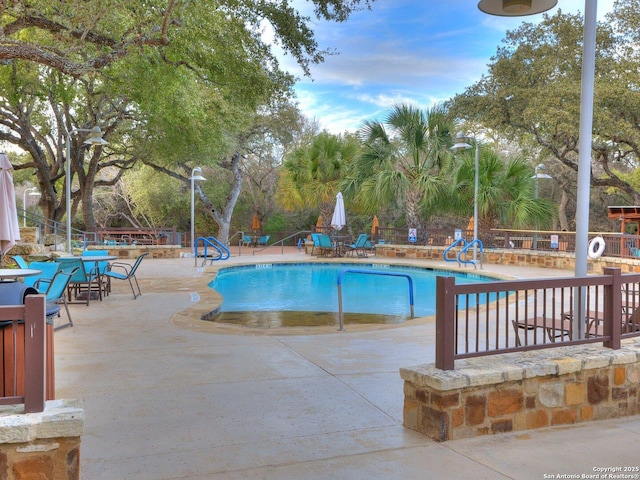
(531, 94)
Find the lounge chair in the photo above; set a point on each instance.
(262, 241)
(128, 273)
(83, 282)
(55, 290)
(360, 246)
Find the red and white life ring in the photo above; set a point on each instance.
(596, 247)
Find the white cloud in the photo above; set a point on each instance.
(403, 52)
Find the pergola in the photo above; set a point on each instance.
(627, 215)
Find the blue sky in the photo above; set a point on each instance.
(403, 51)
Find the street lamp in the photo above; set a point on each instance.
(194, 177)
(94, 139)
(460, 145)
(33, 193)
(538, 175)
(497, 7)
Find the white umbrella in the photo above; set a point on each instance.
(338, 220)
(9, 226)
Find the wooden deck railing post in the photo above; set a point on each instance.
(613, 308)
(445, 323)
(34, 353)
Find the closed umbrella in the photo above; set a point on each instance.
(338, 220)
(319, 224)
(255, 223)
(374, 225)
(9, 226)
(470, 226)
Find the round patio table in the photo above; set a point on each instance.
(14, 273)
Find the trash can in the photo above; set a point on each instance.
(12, 345)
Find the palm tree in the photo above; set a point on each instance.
(505, 192)
(311, 175)
(401, 161)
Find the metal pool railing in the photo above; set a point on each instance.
(370, 272)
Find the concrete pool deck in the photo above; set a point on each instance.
(167, 396)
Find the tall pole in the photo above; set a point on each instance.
(95, 139)
(584, 160)
(68, 190)
(475, 205)
(538, 176)
(194, 177)
(24, 203)
(193, 213)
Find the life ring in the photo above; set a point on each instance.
(596, 247)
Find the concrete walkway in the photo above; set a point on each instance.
(170, 397)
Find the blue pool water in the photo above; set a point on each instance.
(312, 287)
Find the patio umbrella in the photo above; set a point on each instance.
(255, 222)
(338, 220)
(319, 224)
(470, 226)
(374, 225)
(9, 227)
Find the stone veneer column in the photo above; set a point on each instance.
(43, 445)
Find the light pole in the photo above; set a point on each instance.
(496, 7)
(33, 193)
(199, 177)
(94, 139)
(537, 175)
(460, 145)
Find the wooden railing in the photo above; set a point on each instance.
(24, 354)
(509, 316)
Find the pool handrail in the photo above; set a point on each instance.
(213, 242)
(453, 245)
(370, 272)
(466, 248)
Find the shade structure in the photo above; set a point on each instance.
(339, 219)
(374, 225)
(255, 222)
(9, 226)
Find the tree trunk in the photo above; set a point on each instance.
(223, 218)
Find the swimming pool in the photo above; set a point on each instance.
(285, 294)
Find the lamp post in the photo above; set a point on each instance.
(538, 175)
(460, 145)
(497, 7)
(94, 139)
(194, 177)
(33, 193)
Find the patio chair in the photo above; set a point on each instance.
(55, 290)
(315, 238)
(47, 269)
(262, 241)
(247, 241)
(360, 246)
(100, 269)
(325, 245)
(21, 262)
(129, 273)
(82, 283)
